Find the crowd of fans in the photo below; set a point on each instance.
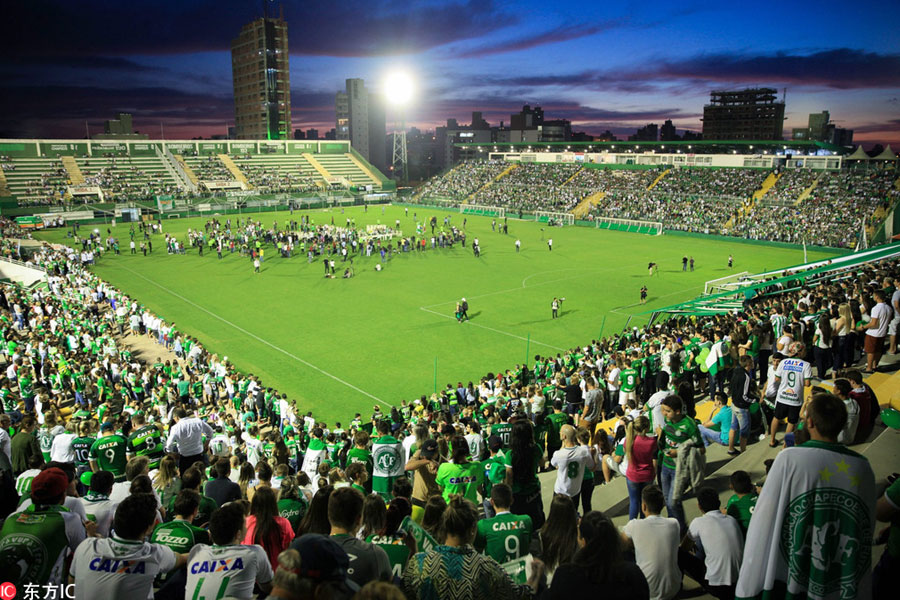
(534, 186)
(183, 477)
(462, 180)
(210, 168)
(270, 179)
(123, 179)
(709, 201)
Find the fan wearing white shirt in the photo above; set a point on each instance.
(123, 565)
(227, 569)
(186, 438)
(719, 547)
(655, 540)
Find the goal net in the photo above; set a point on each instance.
(630, 225)
(554, 218)
(482, 210)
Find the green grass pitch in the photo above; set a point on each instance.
(339, 346)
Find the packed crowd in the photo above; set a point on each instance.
(832, 215)
(534, 186)
(734, 183)
(462, 180)
(181, 476)
(709, 201)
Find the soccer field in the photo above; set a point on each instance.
(339, 346)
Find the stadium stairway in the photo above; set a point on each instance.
(359, 165)
(505, 172)
(4, 185)
(74, 171)
(235, 171)
(808, 191)
(658, 179)
(585, 205)
(187, 170)
(323, 173)
(574, 175)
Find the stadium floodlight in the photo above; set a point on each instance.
(398, 90)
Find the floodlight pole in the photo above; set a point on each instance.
(399, 156)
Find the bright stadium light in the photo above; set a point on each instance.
(398, 88)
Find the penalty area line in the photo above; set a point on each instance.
(261, 340)
(518, 337)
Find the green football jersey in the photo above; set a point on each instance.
(460, 479)
(179, 535)
(293, 510)
(503, 431)
(147, 441)
(81, 446)
(505, 537)
(678, 433)
(396, 549)
(110, 452)
(741, 508)
(34, 544)
(628, 377)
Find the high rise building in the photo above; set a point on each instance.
(360, 118)
(667, 132)
(262, 85)
(647, 133)
(751, 114)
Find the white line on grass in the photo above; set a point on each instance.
(518, 337)
(259, 339)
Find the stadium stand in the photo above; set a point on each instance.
(104, 409)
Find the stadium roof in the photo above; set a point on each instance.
(698, 147)
(822, 270)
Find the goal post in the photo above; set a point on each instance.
(482, 210)
(630, 225)
(557, 218)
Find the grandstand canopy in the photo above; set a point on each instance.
(886, 154)
(695, 147)
(806, 274)
(859, 154)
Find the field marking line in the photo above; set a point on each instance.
(259, 339)
(518, 337)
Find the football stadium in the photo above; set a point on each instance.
(267, 365)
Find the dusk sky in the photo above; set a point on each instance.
(603, 65)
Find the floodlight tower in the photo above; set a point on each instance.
(398, 92)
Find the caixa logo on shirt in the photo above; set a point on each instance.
(217, 566)
(463, 480)
(109, 565)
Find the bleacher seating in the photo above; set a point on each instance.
(339, 165)
(278, 173)
(128, 178)
(36, 181)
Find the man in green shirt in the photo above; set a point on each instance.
(743, 502)
(109, 452)
(387, 460)
(146, 440)
(503, 429)
(506, 536)
(179, 534)
(678, 429)
(555, 421)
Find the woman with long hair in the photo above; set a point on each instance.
(822, 345)
(598, 570)
(292, 504)
(431, 517)
(523, 461)
(167, 482)
(265, 527)
(455, 569)
(316, 518)
(765, 350)
(374, 516)
(558, 534)
(640, 450)
(843, 349)
(460, 475)
(246, 478)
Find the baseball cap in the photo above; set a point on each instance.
(86, 478)
(49, 485)
(430, 448)
(323, 559)
(107, 426)
(495, 443)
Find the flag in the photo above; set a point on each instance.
(315, 454)
(812, 527)
(713, 360)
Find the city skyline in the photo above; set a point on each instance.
(611, 68)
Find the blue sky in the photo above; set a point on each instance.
(604, 67)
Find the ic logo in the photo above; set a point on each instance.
(7, 591)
